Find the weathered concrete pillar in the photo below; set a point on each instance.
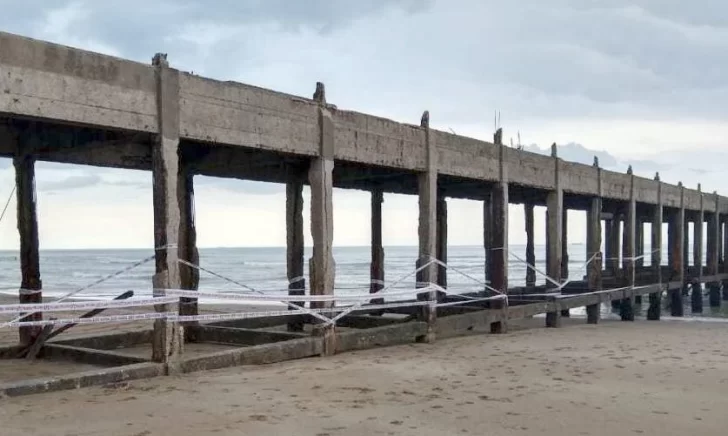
(294, 242)
(189, 276)
(627, 305)
(614, 243)
(530, 245)
(441, 240)
(487, 236)
(499, 235)
(676, 234)
(712, 255)
(427, 189)
(565, 253)
(696, 296)
(594, 247)
(376, 273)
(320, 178)
(686, 254)
(554, 229)
(30, 282)
(655, 307)
(639, 251)
(167, 338)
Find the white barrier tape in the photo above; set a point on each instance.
(296, 280)
(285, 297)
(172, 317)
(290, 305)
(476, 300)
(97, 282)
(84, 305)
(377, 282)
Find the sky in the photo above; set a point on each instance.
(639, 83)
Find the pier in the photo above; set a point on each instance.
(65, 105)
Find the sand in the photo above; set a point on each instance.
(666, 378)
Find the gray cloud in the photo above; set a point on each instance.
(69, 183)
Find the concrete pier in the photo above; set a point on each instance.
(60, 104)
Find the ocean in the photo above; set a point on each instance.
(264, 269)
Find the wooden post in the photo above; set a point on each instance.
(320, 178)
(696, 283)
(441, 249)
(427, 230)
(499, 235)
(712, 256)
(189, 277)
(676, 234)
(655, 307)
(30, 282)
(554, 229)
(376, 273)
(294, 243)
(530, 245)
(594, 247)
(167, 337)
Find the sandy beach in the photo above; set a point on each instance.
(666, 378)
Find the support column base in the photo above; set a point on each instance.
(655, 308)
(553, 319)
(714, 295)
(592, 314)
(676, 303)
(626, 309)
(328, 334)
(566, 313)
(696, 297)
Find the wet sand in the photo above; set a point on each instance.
(666, 378)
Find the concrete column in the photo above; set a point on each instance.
(168, 210)
(499, 235)
(676, 234)
(712, 256)
(487, 237)
(639, 250)
(565, 252)
(554, 229)
(320, 179)
(594, 247)
(530, 245)
(376, 273)
(627, 305)
(614, 245)
(655, 307)
(696, 284)
(189, 277)
(686, 255)
(30, 282)
(427, 189)
(294, 243)
(441, 240)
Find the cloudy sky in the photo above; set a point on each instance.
(641, 82)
